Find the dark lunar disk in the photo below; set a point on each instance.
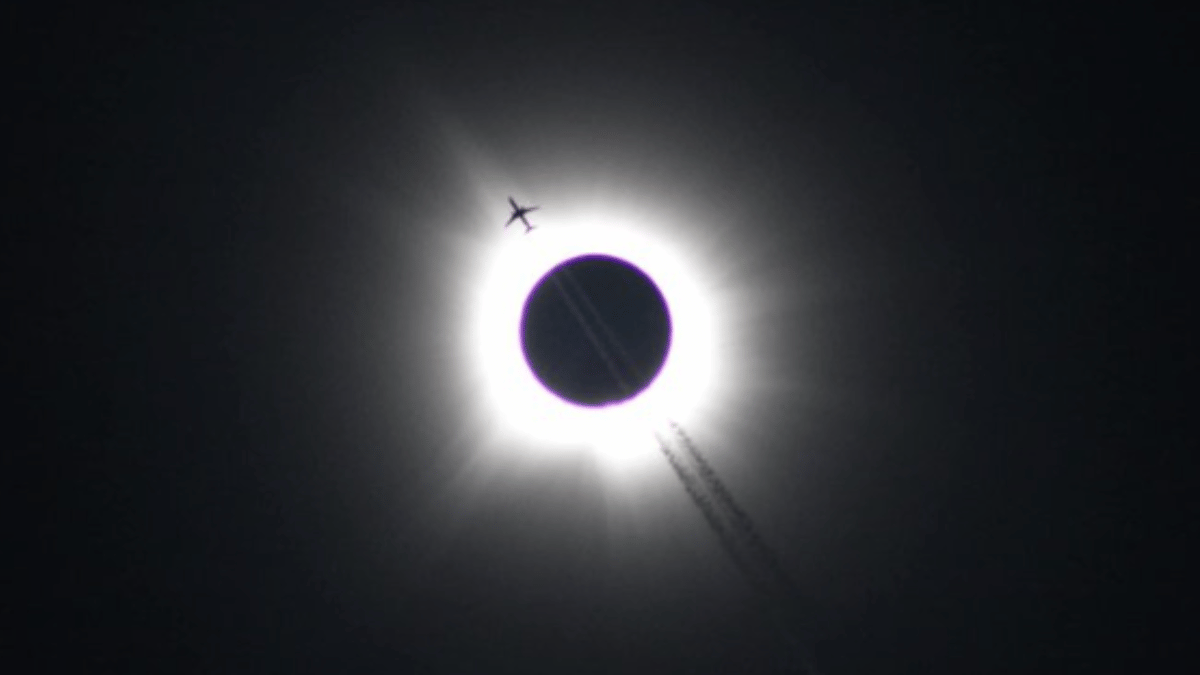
(595, 330)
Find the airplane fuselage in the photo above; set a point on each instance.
(518, 213)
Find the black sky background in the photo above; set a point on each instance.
(225, 462)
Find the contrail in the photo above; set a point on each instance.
(741, 522)
(753, 557)
(608, 332)
(721, 495)
(595, 340)
(712, 516)
(735, 532)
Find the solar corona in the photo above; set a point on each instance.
(595, 334)
(538, 363)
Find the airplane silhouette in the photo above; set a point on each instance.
(519, 212)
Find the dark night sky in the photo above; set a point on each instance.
(245, 436)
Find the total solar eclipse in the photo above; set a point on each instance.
(595, 330)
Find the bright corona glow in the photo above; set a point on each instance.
(514, 393)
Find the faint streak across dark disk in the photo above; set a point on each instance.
(595, 330)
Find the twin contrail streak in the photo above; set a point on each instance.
(735, 532)
(708, 508)
(740, 521)
(757, 562)
(608, 332)
(591, 334)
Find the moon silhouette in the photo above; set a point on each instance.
(595, 330)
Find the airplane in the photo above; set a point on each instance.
(519, 212)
